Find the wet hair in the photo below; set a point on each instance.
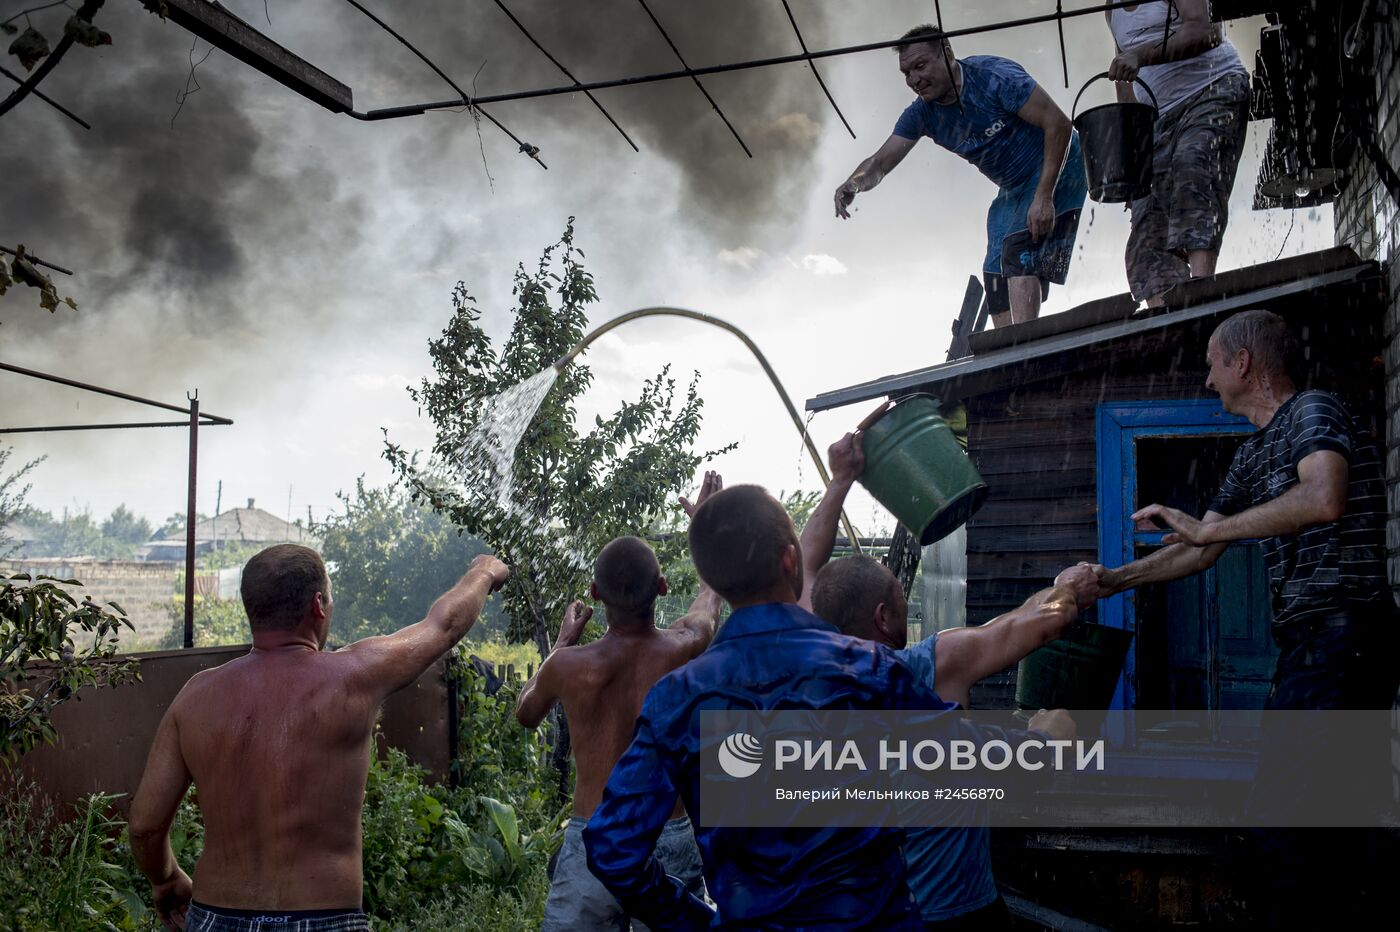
(924, 33)
(1272, 346)
(627, 575)
(279, 584)
(847, 590)
(737, 539)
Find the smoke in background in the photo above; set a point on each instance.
(182, 219)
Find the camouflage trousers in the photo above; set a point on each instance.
(1194, 159)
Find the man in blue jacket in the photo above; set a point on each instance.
(770, 654)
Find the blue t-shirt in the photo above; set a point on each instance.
(774, 656)
(987, 133)
(949, 868)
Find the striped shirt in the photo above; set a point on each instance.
(1326, 567)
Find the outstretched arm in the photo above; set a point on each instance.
(1193, 35)
(871, 172)
(1040, 110)
(396, 660)
(542, 689)
(847, 461)
(153, 808)
(966, 655)
(1176, 561)
(701, 620)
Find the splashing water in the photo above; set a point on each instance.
(481, 469)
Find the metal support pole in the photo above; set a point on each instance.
(189, 522)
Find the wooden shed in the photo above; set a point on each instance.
(1074, 421)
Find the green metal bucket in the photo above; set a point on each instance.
(916, 468)
(1078, 670)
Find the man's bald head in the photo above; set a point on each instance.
(627, 576)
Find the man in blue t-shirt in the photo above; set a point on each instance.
(949, 867)
(769, 655)
(989, 111)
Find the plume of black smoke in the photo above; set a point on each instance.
(169, 214)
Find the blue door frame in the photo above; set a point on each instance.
(1118, 426)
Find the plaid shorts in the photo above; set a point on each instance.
(201, 918)
(1194, 158)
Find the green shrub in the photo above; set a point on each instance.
(403, 835)
(60, 873)
(480, 906)
(217, 622)
(51, 646)
(497, 758)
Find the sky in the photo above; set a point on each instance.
(290, 264)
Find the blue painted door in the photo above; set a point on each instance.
(1202, 642)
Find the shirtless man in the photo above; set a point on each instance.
(277, 743)
(949, 866)
(602, 686)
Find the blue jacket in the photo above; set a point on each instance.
(774, 656)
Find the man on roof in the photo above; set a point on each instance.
(990, 112)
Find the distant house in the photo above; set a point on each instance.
(237, 527)
(16, 538)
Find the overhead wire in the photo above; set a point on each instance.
(815, 73)
(680, 58)
(525, 147)
(589, 94)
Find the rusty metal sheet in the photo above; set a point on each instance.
(105, 735)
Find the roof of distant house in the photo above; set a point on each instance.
(243, 526)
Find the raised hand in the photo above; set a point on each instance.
(575, 620)
(494, 568)
(846, 459)
(712, 483)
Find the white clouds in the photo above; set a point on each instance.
(742, 258)
(821, 264)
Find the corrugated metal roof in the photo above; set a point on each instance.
(1083, 327)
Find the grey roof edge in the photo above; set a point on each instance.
(1077, 339)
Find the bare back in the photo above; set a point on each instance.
(602, 688)
(278, 746)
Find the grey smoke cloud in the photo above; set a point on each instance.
(151, 211)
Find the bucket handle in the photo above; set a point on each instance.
(1156, 111)
(892, 403)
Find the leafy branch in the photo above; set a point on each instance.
(32, 46)
(51, 646)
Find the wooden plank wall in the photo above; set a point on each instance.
(1033, 443)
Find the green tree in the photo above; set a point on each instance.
(392, 557)
(12, 495)
(51, 645)
(124, 528)
(586, 487)
(174, 525)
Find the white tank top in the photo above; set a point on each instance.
(1172, 82)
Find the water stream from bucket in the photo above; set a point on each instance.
(482, 465)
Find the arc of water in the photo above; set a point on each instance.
(563, 361)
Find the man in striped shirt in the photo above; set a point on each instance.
(1310, 485)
